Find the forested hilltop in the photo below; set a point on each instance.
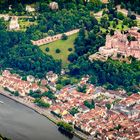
(133, 5)
(110, 74)
(17, 51)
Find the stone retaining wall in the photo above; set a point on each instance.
(50, 39)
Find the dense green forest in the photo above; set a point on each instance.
(4, 4)
(17, 52)
(51, 23)
(16, 49)
(133, 5)
(112, 74)
(71, 15)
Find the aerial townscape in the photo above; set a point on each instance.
(76, 63)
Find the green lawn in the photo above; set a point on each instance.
(25, 24)
(63, 45)
(138, 23)
(118, 27)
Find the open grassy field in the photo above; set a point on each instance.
(118, 27)
(138, 23)
(24, 24)
(63, 45)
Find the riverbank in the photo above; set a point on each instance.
(44, 112)
(3, 138)
(19, 122)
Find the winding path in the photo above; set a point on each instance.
(3, 15)
(125, 12)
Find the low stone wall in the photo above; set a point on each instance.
(53, 38)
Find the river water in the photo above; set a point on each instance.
(21, 123)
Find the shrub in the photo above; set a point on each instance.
(122, 5)
(65, 126)
(110, 17)
(59, 86)
(16, 93)
(73, 111)
(41, 103)
(133, 17)
(64, 37)
(108, 106)
(50, 32)
(120, 16)
(114, 24)
(47, 49)
(72, 57)
(82, 88)
(131, 38)
(118, 55)
(111, 32)
(69, 49)
(50, 95)
(89, 105)
(57, 51)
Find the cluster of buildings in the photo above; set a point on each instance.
(14, 25)
(120, 44)
(29, 9)
(50, 39)
(129, 106)
(69, 98)
(121, 120)
(5, 17)
(54, 6)
(115, 115)
(15, 83)
(108, 125)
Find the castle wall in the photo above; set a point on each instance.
(53, 38)
(119, 41)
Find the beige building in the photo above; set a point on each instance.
(5, 17)
(14, 23)
(119, 44)
(54, 6)
(30, 9)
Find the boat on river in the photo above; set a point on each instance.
(1, 102)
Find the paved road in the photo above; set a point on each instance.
(125, 12)
(3, 15)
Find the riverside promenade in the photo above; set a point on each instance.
(30, 105)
